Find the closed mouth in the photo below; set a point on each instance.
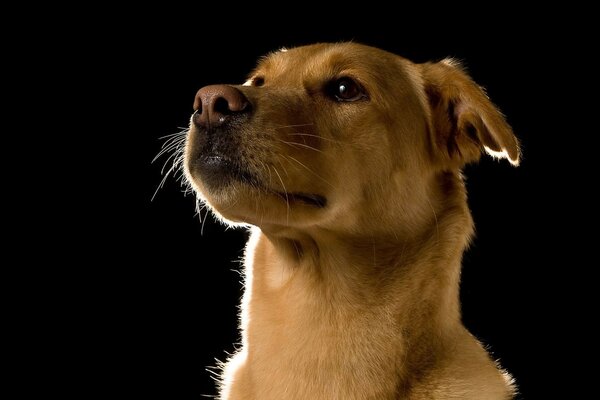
(310, 199)
(217, 169)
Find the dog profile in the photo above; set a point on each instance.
(345, 162)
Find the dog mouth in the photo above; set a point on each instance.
(218, 171)
(311, 199)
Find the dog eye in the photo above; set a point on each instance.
(346, 89)
(258, 81)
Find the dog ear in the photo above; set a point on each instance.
(463, 120)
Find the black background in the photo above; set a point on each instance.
(178, 292)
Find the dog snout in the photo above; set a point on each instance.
(215, 104)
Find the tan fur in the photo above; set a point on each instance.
(358, 299)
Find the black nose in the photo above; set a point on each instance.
(214, 104)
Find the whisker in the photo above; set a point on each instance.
(162, 182)
(287, 200)
(174, 134)
(300, 145)
(291, 126)
(174, 146)
(270, 175)
(171, 157)
(284, 169)
(169, 142)
(171, 145)
(202, 219)
(318, 137)
(437, 228)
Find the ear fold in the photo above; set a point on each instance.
(463, 120)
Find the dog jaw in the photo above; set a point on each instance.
(240, 190)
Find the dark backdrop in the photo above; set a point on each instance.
(181, 284)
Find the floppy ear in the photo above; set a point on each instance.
(463, 120)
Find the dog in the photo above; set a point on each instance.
(345, 163)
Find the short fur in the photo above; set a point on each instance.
(357, 298)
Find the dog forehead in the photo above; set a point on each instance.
(388, 78)
(327, 59)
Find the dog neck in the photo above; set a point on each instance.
(407, 274)
(317, 280)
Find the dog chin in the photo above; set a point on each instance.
(240, 202)
(239, 196)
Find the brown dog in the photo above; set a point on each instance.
(347, 161)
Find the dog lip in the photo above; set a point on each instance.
(218, 170)
(311, 199)
(215, 162)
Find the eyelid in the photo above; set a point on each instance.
(252, 81)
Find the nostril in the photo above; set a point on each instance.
(221, 106)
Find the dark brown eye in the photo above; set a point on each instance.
(258, 81)
(346, 89)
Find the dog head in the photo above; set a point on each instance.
(334, 134)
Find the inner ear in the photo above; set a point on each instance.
(464, 121)
(477, 130)
(472, 132)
